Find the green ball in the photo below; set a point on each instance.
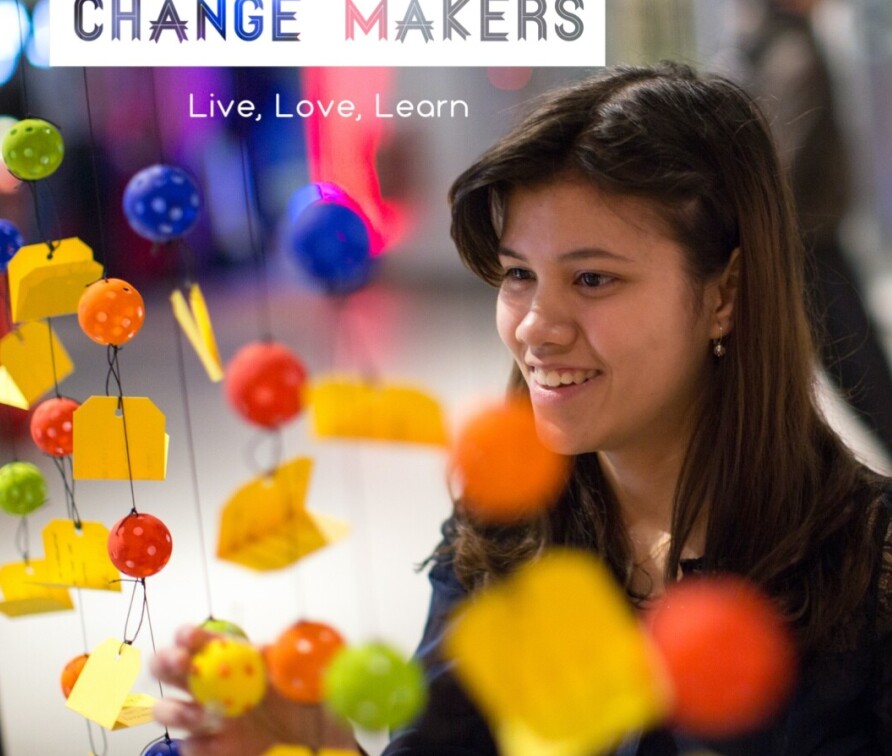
(224, 627)
(22, 488)
(374, 686)
(33, 149)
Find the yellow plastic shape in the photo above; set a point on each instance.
(556, 659)
(100, 449)
(79, 558)
(28, 366)
(24, 592)
(293, 750)
(101, 691)
(137, 710)
(352, 408)
(195, 320)
(46, 280)
(265, 525)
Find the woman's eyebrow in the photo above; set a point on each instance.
(586, 253)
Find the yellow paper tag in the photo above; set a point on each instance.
(352, 408)
(292, 750)
(137, 710)
(266, 526)
(27, 364)
(23, 592)
(100, 451)
(195, 321)
(79, 558)
(45, 283)
(105, 682)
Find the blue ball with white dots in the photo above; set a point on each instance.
(162, 203)
(164, 746)
(10, 241)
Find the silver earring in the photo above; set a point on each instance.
(718, 348)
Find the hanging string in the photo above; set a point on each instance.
(137, 583)
(154, 648)
(19, 9)
(80, 610)
(114, 371)
(274, 437)
(68, 483)
(22, 540)
(7, 410)
(49, 322)
(96, 192)
(156, 123)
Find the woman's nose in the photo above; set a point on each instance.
(546, 322)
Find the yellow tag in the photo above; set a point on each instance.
(556, 659)
(27, 364)
(101, 690)
(79, 558)
(137, 710)
(100, 451)
(292, 750)
(43, 284)
(23, 593)
(195, 321)
(266, 526)
(352, 408)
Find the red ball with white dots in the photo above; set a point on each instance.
(139, 545)
(265, 383)
(52, 426)
(111, 311)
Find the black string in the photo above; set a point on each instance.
(152, 640)
(142, 612)
(274, 436)
(156, 123)
(96, 192)
(49, 323)
(71, 507)
(19, 8)
(22, 540)
(114, 371)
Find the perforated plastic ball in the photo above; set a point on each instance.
(71, 672)
(11, 240)
(164, 746)
(331, 243)
(310, 194)
(299, 657)
(224, 627)
(139, 545)
(33, 149)
(111, 311)
(228, 676)
(52, 426)
(22, 488)
(162, 203)
(264, 383)
(374, 686)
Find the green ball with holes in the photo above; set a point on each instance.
(22, 488)
(32, 149)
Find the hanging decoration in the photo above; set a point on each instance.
(11, 239)
(32, 149)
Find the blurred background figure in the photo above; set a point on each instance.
(780, 61)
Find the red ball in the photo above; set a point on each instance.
(139, 545)
(52, 426)
(71, 672)
(264, 383)
(111, 311)
(298, 659)
(729, 655)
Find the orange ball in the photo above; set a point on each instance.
(52, 426)
(505, 472)
(264, 383)
(728, 653)
(71, 672)
(298, 659)
(111, 311)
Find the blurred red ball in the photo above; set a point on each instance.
(139, 545)
(71, 672)
(52, 426)
(298, 659)
(264, 383)
(111, 311)
(729, 655)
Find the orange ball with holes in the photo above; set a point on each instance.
(111, 311)
(71, 672)
(728, 654)
(504, 472)
(298, 659)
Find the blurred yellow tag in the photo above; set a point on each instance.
(556, 659)
(45, 283)
(137, 710)
(265, 525)
(290, 750)
(27, 364)
(23, 592)
(100, 450)
(104, 684)
(352, 408)
(195, 321)
(79, 558)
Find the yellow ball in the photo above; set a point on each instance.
(228, 676)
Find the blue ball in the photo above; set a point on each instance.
(10, 241)
(163, 747)
(331, 243)
(318, 191)
(162, 203)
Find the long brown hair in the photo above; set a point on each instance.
(784, 499)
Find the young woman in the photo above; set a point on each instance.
(650, 290)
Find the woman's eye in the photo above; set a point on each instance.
(517, 274)
(595, 280)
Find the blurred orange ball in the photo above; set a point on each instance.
(729, 655)
(505, 472)
(298, 659)
(509, 78)
(264, 384)
(71, 672)
(111, 311)
(52, 426)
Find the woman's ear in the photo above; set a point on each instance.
(726, 286)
